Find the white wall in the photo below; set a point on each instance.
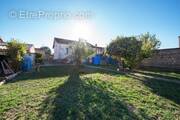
(60, 51)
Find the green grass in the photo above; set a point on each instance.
(63, 93)
(113, 67)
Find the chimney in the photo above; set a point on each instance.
(179, 41)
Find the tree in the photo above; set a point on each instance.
(38, 58)
(47, 50)
(79, 51)
(132, 50)
(16, 51)
(126, 48)
(149, 44)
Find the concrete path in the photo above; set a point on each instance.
(46, 65)
(140, 75)
(137, 75)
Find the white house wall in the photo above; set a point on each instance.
(60, 51)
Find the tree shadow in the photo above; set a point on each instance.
(45, 72)
(85, 98)
(161, 88)
(54, 71)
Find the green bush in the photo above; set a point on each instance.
(16, 52)
(38, 58)
(132, 50)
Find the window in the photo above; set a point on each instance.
(66, 50)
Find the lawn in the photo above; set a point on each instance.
(61, 92)
(149, 72)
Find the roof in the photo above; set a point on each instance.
(62, 41)
(67, 41)
(2, 44)
(1, 41)
(29, 45)
(38, 49)
(98, 47)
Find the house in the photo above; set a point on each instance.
(40, 51)
(3, 47)
(46, 57)
(62, 48)
(30, 48)
(4, 66)
(99, 50)
(31, 51)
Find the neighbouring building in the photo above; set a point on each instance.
(168, 59)
(31, 51)
(4, 66)
(46, 57)
(62, 48)
(99, 50)
(3, 47)
(30, 48)
(40, 51)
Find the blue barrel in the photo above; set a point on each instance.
(27, 63)
(97, 60)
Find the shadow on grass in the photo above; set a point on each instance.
(55, 71)
(162, 88)
(45, 72)
(85, 98)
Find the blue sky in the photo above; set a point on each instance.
(108, 18)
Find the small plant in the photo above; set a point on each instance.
(79, 51)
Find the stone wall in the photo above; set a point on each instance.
(164, 59)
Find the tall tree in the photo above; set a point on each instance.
(149, 44)
(126, 48)
(79, 51)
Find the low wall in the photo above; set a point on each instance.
(163, 59)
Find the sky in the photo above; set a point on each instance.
(97, 21)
